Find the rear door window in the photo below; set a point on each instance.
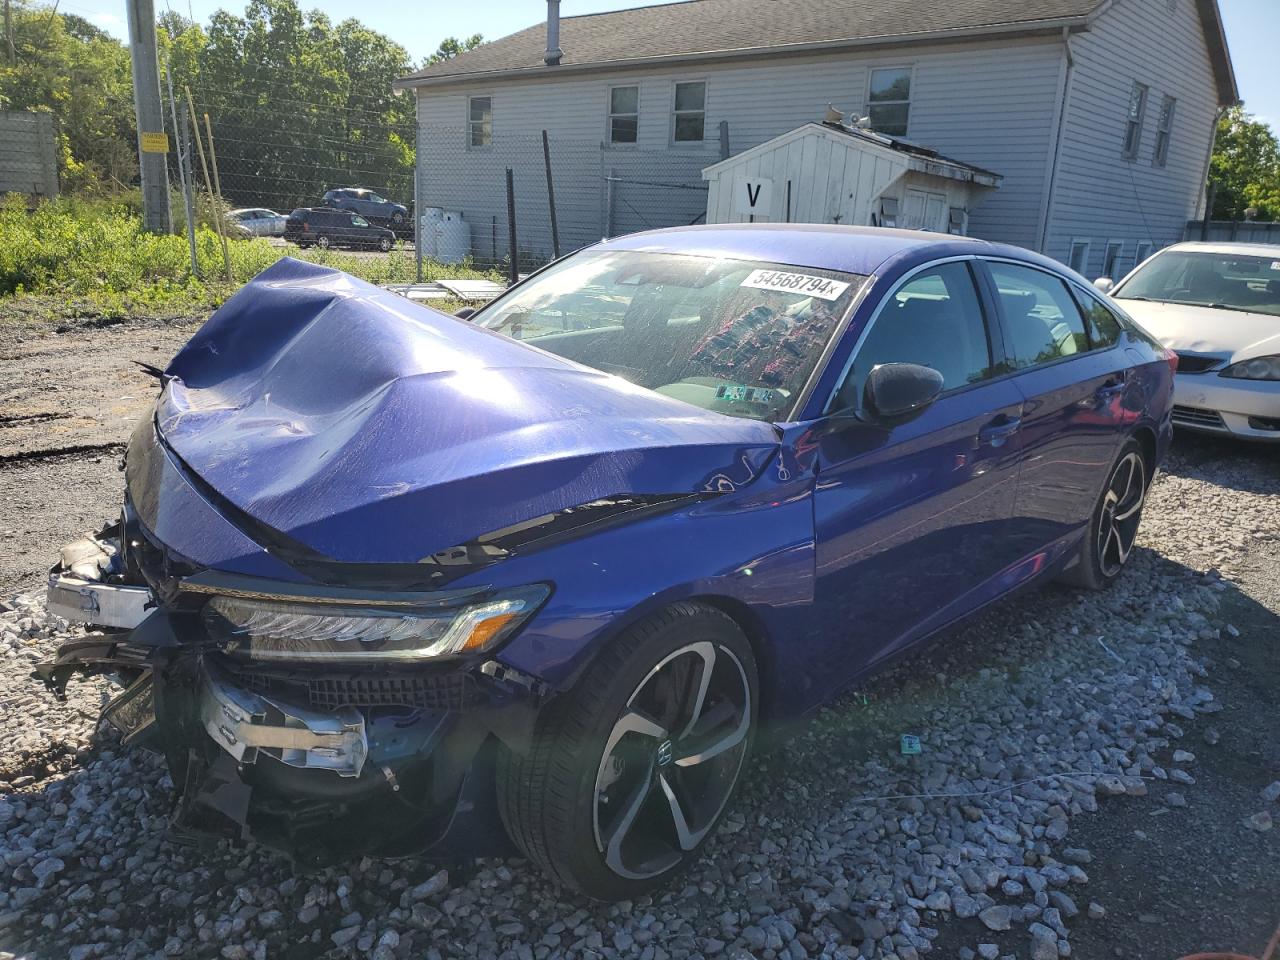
(1103, 325)
(1042, 321)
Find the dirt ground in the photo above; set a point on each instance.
(1174, 879)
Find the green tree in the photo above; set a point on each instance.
(1245, 168)
(450, 47)
(66, 66)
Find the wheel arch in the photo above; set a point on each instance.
(757, 636)
(1146, 438)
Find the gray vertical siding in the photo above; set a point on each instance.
(28, 161)
(1099, 195)
(990, 104)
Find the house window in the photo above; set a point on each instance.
(1163, 129)
(1079, 260)
(1111, 259)
(889, 100)
(1133, 121)
(624, 114)
(689, 113)
(1144, 251)
(480, 121)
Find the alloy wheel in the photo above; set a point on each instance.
(671, 760)
(322, 243)
(384, 244)
(1121, 513)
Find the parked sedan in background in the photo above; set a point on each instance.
(258, 221)
(325, 227)
(394, 578)
(368, 204)
(1218, 306)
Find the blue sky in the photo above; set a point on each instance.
(1253, 29)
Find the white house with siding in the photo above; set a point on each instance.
(1098, 115)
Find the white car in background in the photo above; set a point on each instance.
(258, 221)
(1217, 305)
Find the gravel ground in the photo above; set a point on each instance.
(1095, 780)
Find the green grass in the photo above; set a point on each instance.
(72, 258)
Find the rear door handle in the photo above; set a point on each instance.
(999, 430)
(1113, 387)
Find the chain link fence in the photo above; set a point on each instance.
(565, 194)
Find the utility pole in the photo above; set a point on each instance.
(153, 143)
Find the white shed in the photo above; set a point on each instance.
(831, 173)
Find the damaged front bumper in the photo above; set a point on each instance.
(323, 763)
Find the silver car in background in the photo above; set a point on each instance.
(1217, 305)
(258, 221)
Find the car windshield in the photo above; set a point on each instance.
(734, 336)
(1225, 281)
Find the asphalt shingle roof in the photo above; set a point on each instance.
(710, 27)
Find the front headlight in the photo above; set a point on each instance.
(1259, 368)
(288, 630)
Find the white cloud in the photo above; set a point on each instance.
(107, 21)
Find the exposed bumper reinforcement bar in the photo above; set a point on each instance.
(102, 604)
(243, 723)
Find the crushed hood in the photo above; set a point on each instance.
(1232, 334)
(374, 430)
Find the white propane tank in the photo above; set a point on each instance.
(452, 238)
(427, 230)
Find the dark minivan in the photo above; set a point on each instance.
(326, 227)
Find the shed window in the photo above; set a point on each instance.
(1133, 121)
(888, 211)
(1079, 260)
(624, 114)
(1163, 129)
(689, 113)
(1144, 251)
(889, 100)
(480, 121)
(957, 221)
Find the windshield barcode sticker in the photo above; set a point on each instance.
(801, 283)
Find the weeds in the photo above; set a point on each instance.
(81, 257)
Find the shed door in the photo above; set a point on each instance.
(923, 211)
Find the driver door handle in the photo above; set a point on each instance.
(999, 430)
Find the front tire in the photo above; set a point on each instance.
(323, 242)
(628, 773)
(384, 244)
(1113, 528)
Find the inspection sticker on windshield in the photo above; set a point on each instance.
(802, 283)
(1275, 264)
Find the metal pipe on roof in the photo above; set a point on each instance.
(554, 53)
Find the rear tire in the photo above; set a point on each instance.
(1113, 527)
(628, 773)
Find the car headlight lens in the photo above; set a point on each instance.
(295, 631)
(1259, 368)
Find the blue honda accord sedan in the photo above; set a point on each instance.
(387, 579)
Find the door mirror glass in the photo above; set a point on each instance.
(896, 390)
(1104, 284)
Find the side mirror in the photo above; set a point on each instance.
(465, 313)
(1104, 284)
(895, 390)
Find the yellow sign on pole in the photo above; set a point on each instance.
(155, 142)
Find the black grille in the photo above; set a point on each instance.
(451, 691)
(1195, 417)
(1195, 363)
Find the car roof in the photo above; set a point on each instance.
(1230, 249)
(860, 250)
